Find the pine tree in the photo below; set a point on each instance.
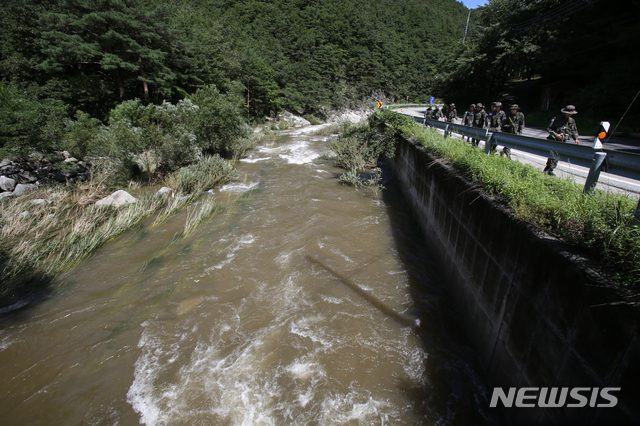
(116, 39)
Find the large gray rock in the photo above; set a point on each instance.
(5, 162)
(117, 199)
(22, 189)
(7, 184)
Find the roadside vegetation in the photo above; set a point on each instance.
(601, 223)
(358, 148)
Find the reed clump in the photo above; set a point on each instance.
(53, 228)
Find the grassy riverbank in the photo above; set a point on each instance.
(50, 230)
(600, 223)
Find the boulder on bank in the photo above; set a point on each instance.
(117, 199)
(22, 189)
(7, 184)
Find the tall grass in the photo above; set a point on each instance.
(47, 238)
(199, 214)
(601, 222)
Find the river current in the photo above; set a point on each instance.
(304, 302)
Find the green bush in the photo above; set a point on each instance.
(157, 137)
(218, 122)
(82, 135)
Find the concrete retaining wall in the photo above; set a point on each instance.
(534, 314)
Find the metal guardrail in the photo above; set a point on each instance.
(615, 162)
(409, 105)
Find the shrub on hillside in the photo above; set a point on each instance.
(219, 121)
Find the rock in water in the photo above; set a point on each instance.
(117, 199)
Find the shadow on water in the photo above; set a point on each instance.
(399, 318)
(455, 389)
(21, 293)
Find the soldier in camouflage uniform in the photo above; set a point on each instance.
(479, 119)
(437, 113)
(494, 120)
(514, 124)
(467, 119)
(562, 128)
(452, 113)
(428, 113)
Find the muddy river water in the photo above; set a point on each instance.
(305, 302)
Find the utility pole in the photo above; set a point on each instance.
(466, 27)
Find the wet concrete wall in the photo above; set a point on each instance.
(536, 315)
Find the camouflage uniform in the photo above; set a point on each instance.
(495, 118)
(513, 123)
(562, 128)
(494, 121)
(467, 118)
(428, 113)
(452, 113)
(479, 119)
(437, 113)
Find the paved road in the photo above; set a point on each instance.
(578, 174)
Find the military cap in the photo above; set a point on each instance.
(479, 105)
(515, 106)
(498, 104)
(472, 106)
(569, 109)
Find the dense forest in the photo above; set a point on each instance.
(66, 64)
(301, 55)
